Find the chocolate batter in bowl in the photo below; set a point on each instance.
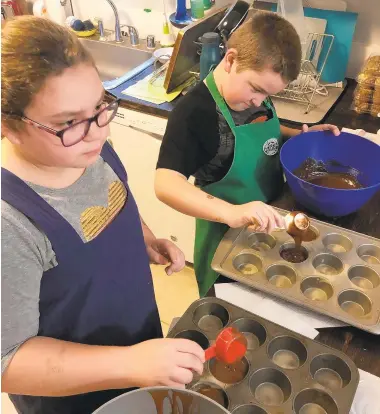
(331, 176)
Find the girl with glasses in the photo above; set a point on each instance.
(80, 323)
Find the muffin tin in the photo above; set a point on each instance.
(340, 277)
(282, 371)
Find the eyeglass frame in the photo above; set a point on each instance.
(61, 132)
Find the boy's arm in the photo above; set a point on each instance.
(289, 132)
(173, 189)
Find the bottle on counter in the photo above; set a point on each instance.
(197, 9)
(210, 55)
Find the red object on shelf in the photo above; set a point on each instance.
(10, 9)
(230, 346)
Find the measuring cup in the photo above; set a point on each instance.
(230, 346)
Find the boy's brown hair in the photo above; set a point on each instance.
(33, 49)
(267, 41)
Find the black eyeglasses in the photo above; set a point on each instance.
(76, 132)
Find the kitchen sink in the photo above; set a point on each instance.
(114, 60)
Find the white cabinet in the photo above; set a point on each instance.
(139, 151)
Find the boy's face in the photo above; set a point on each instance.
(247, 88)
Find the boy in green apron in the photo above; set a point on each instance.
(226, 133)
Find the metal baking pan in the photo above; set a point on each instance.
(340, 277)
(282, 371)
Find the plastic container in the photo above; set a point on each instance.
(348, 149)
(292, 10)
(163, 400)
(367, 93)
(197, 9)
(210, 55)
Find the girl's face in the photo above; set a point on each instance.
(74, 95)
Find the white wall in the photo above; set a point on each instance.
(367, 33)
(131, 12)
(366, 40)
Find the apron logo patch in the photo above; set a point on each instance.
(271, 146)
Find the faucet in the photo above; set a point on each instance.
(132, 33)
(118, 37)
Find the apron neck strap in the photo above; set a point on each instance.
(221, 103)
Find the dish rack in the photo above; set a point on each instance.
(307, 85)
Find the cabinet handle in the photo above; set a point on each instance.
(151, 134)
(174, 238)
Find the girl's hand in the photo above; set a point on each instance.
(164, 252)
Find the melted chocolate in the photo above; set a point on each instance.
(336, 180)
(229, 373)
(309, 235)
(213, 393)
(294, 255)
(320, 173)
(179, 402)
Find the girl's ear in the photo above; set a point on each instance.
(10, 134)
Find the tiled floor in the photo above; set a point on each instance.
(174, 294)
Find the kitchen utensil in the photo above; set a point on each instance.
(162, 400)
(282, 371)
(333, 166)
(164, 54)
(339, 277)
(232, 19)
(230, 346)
(347, 149)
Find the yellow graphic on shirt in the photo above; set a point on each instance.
(95, 219)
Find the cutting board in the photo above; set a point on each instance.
(340, 5)
(342, 26)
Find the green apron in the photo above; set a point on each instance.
(255, 175)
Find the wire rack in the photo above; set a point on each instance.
(307, 85)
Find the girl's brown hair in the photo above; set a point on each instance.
(268, 41)
(32, 50)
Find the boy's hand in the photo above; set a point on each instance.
(164, 252)
(324, 127)
(165, 362)
(256, 214)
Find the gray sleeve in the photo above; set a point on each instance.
(26, 254)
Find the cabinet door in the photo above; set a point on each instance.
(139, 153)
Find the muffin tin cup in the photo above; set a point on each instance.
(282, 371)
(339, 274)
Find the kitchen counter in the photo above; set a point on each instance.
(362, 347)
(340, 114)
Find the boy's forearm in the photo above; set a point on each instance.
(50, 367)
(174, 190)
(289, 132)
